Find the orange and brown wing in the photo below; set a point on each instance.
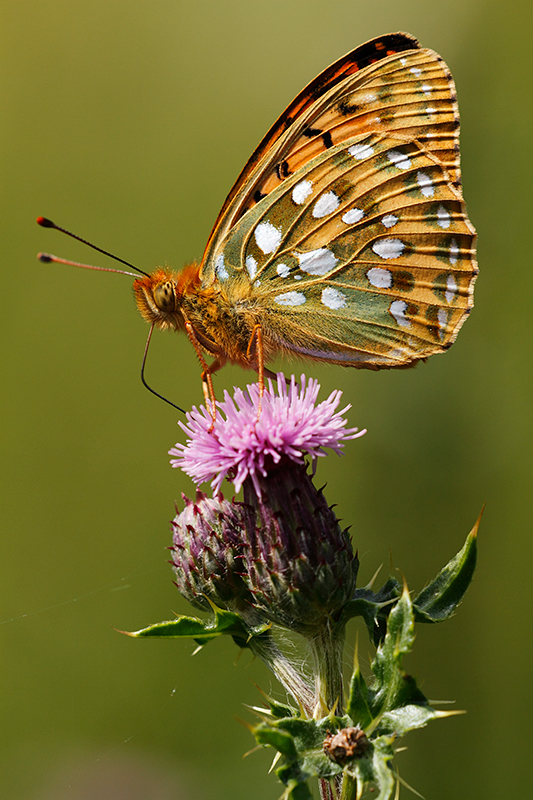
(363, 257)
(388, 85)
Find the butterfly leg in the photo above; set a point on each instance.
(257, 338)
(262, 371)
(207, 380)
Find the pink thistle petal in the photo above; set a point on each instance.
(290, 425)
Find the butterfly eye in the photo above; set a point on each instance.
(164, 296)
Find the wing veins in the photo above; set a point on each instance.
(390, 195)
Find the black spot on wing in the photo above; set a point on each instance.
(310, 132)
(345, 109)
(282, 170)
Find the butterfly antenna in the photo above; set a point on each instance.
(47, 223)
(143, 378)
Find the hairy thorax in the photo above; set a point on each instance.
(222, 325)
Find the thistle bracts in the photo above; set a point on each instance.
(207, 552)
(300, 567)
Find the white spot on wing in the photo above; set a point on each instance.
(431, 110)
(416, 71)
(353, 215)
(399, 160)
(388, 248)
(332, 298)
(251, 266)
(454, 251)
(326, 204)
(220, 269)
(317, 262)
(451, 288)
(369, 97)
(283, 270)
(290, 299)
(360, 151)
(268, 237)
(398, 308)
(426, 88)
(301, 192)
(380, 278)
(426, 184)
(389, 221)
(443, 217)
(442, 316)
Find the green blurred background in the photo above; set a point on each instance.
(128, 122)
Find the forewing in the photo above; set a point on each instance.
(363, 256)
(387, 85)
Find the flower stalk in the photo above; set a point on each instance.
(327, 648)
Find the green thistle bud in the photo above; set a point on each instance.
(207, 552)
(300, 567)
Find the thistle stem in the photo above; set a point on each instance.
(348, 788)
(327, 648)
(326, 792)
(265, 648)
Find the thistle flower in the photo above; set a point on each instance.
(297, 563)
(244, 445)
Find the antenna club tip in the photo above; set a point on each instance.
(45, 223)
(45, 258)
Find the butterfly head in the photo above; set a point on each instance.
(159, 296)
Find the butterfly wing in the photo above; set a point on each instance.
(245, 188)
(346, 231)
(363, 257)
(388, 83)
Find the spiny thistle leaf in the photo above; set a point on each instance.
(358, 707)
(374, 607)
(298, 791)
(436, 602)
(282, 741)
(440, 598)
(392, 687)
(202, 631)
(402, 720)
(382, 775)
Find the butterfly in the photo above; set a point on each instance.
(345, 238)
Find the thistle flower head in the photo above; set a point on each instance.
(207, 551)
(243, 444)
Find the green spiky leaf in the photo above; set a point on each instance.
(358, 705)
(374, 607)
(202, 631)
(392, 688)
(408, 718)
(279, 739)
(440, 598)
(298, 791)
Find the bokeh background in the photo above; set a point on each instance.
(128, 122)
